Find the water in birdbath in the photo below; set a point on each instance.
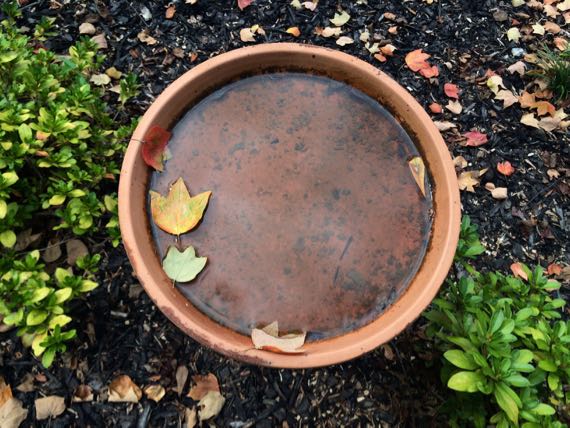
(315, 219)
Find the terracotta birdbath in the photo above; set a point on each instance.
(334, 206)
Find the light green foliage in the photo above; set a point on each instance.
(183, 266)
(60, 149)
(504, 343)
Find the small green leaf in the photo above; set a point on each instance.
(25, 133)
(543, 410)
(62, 295)
(465, 381)
(183, 267)
(40, 294)
(517, 380)
(506, 401)
(14, 318)
(460, 359)
(87, 285)
(57, 199)
(37, 344)
(522, 356)
(61, 274)
(47, 358)
(3, 208)
(8, 238)
(547, 365)
(59, 320)
(9, 178)
(36, 317)
(553, 381)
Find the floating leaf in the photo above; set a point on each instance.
(451, 90)
(340, 19)
(203, 385)
(505, 168)
(123, 390)
(183, 267)
(475, 139)
(178, 212)
(154, 143)
(419, 172)
(287, 344)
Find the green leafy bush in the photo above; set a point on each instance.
(555, 70)
(505, 345)
(60, 150)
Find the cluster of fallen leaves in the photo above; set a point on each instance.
(175, 213)
(205, 391)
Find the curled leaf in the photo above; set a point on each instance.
(155, 141)
(203, 385)
(123, 390)
(419, 172)
(268, 340)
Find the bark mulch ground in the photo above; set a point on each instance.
(121, 331)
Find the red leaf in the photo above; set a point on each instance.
(475, 138)
(153, 147)
(505, 168)
(242, 4)
(517, 270)
(432, 71)
(451, 90)
(435, 108)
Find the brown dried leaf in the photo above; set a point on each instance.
(455, 107)
(49, 407)
(123, 390)
(203, 385)
(87, 28)
(75, 249)
(190, 417)
(529, 120)
(12, 414)
(170, 12)
(52, 252)
(507, 97)
(444, 126)
(246, 35)
(5, 392)
(144, 37)
(210, 405)
(155, 392)
(181, 377)
(518, 67)
(287, 344)
(100, 40)
(27, 384)
(82, 394)
(419, 173)
(518, 271)
(467, 180)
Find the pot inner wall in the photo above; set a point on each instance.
(315, 219)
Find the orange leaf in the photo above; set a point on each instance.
(475, 139)
(178, 212)
(527, 100)
(154, 143)
(518, 271)
(204, 384)
(170, 11)
(435, 108)
(380, 57)
(416, 60)
(451, 90)
(554, 269)
(242, 4)
(544, 107)
(269, 340)
(430, 72)
(294, 31)
(505, 168)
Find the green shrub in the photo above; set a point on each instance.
(555, 70)
(60, 150)
(505, 345)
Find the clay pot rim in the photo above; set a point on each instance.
(405, 310)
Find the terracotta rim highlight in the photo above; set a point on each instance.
(218, 71)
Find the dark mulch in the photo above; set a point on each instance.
(120, 330)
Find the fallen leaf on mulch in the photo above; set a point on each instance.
(5, 392)
(183, 266)
(27, 384)
(123, 390)
(170, 12)
(554, 269)
(417, 61)
(435, 108)
(12, 414)
(268, 339)
(210, 405)
(178, 213)
(294, 31)
(154, 392)
(475, 139)
(530, 120)
(100, 79)
(190, 417)
(518, 271)
(495, 83)
(25, 238)
(518, 67)
(52, 252)
(380, 57)
(100, 41)
(327, 31)
(154, 145)
(497, 192)
(87, 28)
(113, 73)
(181, 377)
(455, 107)
(505, 168)
(242, 4)
(419, 173)
(82, 394)
(444, 126)
(246, 35)
(451, 90)
(340, 19)
(75, 249)
(144, 37)
(460, 162)
(507, 97)
(467, 180)
(344, 40)
(513, 34)
(49, 407)
(203, 385)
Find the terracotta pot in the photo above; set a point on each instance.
(215, 73)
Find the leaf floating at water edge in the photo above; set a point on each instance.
(419, 172)
(178, 212)
(183, 266)
(268, 339)
(155, 141)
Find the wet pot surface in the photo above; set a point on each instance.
(315, 219)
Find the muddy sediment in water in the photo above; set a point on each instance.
(315, 219)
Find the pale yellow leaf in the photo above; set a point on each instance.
(49, 407)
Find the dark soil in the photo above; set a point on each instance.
(120, 330)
